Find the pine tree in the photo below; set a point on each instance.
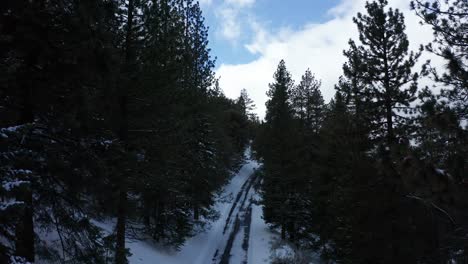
(99, 100)
(333, 184)
(307, 102)
(384, 52)
(352, 85)
(61, 80)
(123, 129)
(246, 104)
(356, 94)
(440, 133)
(444, 114)
(448, 21)
(392, 85)
(196, 79)
(277, 161)
(188, 151)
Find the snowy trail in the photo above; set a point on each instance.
(239, 236)
(237, 222)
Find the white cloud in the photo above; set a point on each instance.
(231, 15)
(230, 28)
(240, 3)
(315, 46)
(205, 3)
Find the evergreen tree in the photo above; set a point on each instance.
(357, 95)
(353, 84)
(54, 115)
(308, 112)
(123, 127)
(384, 52)
(335, 205)
(246, 104)
(440, 133)
(448, 20)
(277, 161)
(392, 85)
(107, 111)
(444, 114)
(307, 102)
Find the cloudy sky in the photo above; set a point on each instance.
(250, 37)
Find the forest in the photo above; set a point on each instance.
(111, 111)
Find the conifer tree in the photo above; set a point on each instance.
(392, 87)
(448, 20)
(128, 64)
(96, 105)
(352, 85)
(356, 94)
(444, 114)
(277, 161)
(196, 79)
(61, 79)
(307, 102)
(246, 104)
(388, 62)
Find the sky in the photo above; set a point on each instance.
(250, 37)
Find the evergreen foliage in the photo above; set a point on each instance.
(278, 191)
(109, 110)
(375, 176)
(388, 65)
(448, 20)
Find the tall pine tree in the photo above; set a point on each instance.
(277, 161)
(388, 62)
(307, 102)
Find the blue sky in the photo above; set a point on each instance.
(273, 14)
(250, 37)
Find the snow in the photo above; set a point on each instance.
(236, 237)
(237, 253)
(20, 172)
(210, 246)
(260, 238)
(5, 130)
(8, 203)
(18, 260)
(107, 142)
(13, 184)
(284, 251)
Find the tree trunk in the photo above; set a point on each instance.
(120, 251)
(25, 229)
(283, 231)
(388, 102)
(27, 114)
(196, 213)
(291, 231)
(390, 134)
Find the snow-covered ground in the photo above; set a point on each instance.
(239, 236)
(260, 238)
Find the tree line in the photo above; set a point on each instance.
(109, 110)
(379, 174)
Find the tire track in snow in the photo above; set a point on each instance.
(244, 190)
(247, 224)
(248, 221)
(243, 219)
